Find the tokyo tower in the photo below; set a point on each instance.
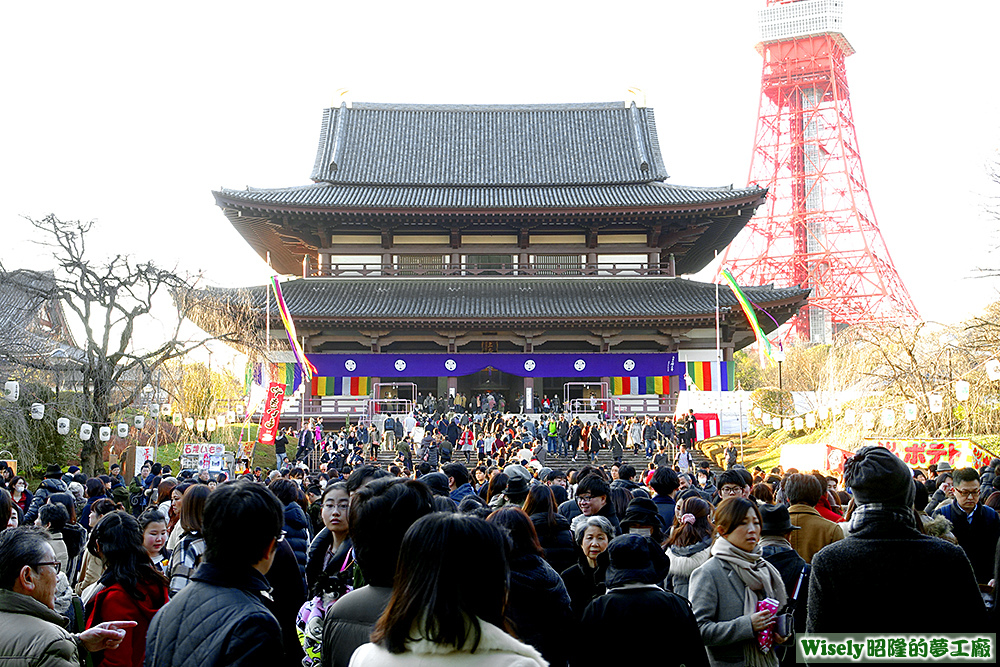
(817, 228)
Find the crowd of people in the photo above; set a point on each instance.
(524, 558)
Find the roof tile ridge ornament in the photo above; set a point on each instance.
(338, 136)
(640, 144)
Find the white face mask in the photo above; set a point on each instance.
(21, 487)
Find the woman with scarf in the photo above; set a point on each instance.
(726, 590)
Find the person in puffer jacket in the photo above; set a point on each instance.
(296, 522)
(51, 484)
(688, 546)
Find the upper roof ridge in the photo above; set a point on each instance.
(597, 143)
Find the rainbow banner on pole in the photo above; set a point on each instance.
(341, 386)
(625, 386)
(710, 375)
(308, 370)
(763, 343)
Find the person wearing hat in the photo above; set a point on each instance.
(517, 490)
(942, 493)
(864, 583)
(634, 600)
(775, 546)
(643, 518)
(52, 483)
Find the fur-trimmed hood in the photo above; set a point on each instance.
(496, 648)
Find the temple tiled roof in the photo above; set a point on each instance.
(324, 196)
(488, 145)
(500, 302)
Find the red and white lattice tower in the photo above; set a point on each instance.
(817, 228)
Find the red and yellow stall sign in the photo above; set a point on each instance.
(924, 452)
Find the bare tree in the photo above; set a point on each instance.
(109, 302)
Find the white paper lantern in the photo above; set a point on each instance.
(824, 412)
(868, 420)
(104, 434)
(993, 370)
(766, 418)
(37, 410)
(757, 412)
(221, 420)
(799, 423)
(139, 421)
(935, 402)
(62, 426)
(199, 426)
(154, 410)
(888, 417)
(231, 416)
(210, 425)
(810, 420)
(849, 416)
(12, 390)
(786, 424)
(910, 411)
(86, 430)
(776, 422)
(166, 409)
(962, 390)
(189, 422)
(177, 420)
(123, 430)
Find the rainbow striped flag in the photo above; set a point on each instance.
(710, 375)
(288, 374)
(293, 339)
(341, 386)
(640, 385)
(762, 342)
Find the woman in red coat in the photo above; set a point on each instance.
(130, 589)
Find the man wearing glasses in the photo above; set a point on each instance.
(976, 526)
(31, 632)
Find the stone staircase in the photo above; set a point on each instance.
(638, 461)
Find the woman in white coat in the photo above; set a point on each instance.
(724, 592)
(434, 616)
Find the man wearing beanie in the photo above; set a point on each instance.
(864, 583)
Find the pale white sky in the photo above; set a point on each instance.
(131, 113)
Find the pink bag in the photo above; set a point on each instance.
(765, 640)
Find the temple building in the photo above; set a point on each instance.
(524, 250)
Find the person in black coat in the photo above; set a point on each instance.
(776, 548)
(296, 522)
(976, 534)
(553, 529)
(633, 601)
(538, 605)
(585, 580)
(288, 592)
(864, 583)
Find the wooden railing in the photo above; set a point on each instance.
(470, 270)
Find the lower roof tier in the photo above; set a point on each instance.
(503, 303)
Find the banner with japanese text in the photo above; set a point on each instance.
(268, 429)
(923, 452)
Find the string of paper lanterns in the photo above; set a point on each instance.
(12, 392)
(887, 416)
